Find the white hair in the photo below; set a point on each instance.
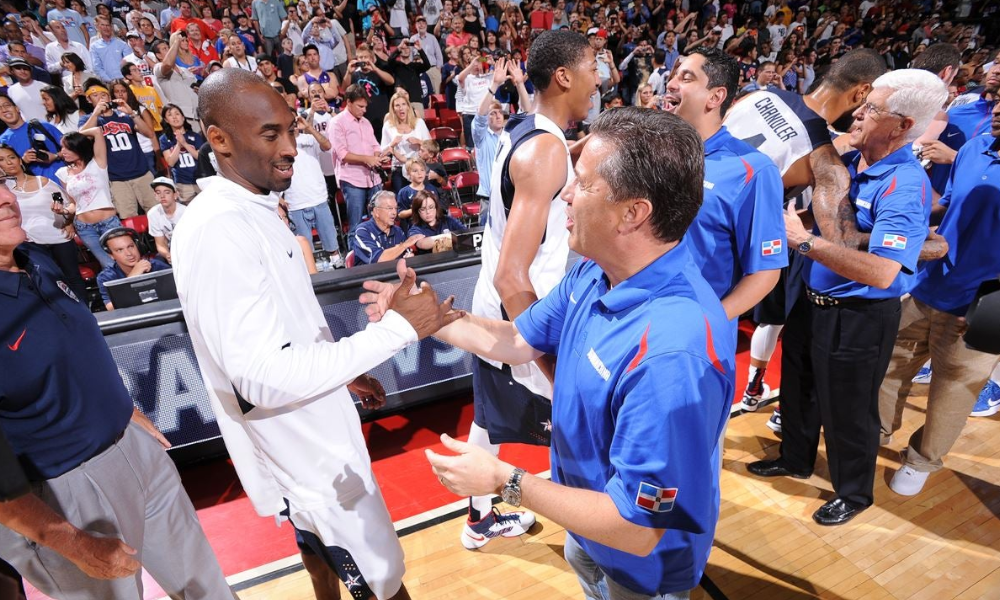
(917, 94)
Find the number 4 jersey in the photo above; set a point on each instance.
(126, 160)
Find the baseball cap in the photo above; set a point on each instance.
(265, 58)
(717, 29)
(592, 31)
(17, 61)
(133, 34)
(163, 181)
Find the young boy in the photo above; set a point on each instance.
(164, 216)
(416, 170)
(436, 174)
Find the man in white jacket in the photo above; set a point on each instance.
(277, 380)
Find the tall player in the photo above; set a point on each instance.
(794, 131)
(525, 249)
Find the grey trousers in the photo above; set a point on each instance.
(130, 491)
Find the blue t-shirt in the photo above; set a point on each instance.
(970, 225)
(964, 123)
(640, 401)
(369, 241)
(184, 169)
(114, 273)
(20, 140)
(126, 160)
(67, 402)
(740, 228)
(404, 199)
(892, 200)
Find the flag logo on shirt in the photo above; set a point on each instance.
(655, 499)
(892, 240)
(770, 247)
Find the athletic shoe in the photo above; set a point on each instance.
(908, 481)
(756, 391)
(337, 261)
(923, 375)
(496, 524)
(989, 400)
(774, 423)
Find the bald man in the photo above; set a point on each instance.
(277, 379)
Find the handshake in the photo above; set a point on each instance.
(418, 305)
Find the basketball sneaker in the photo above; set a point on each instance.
(923, 375)
(989, 400)
(756, 391)
(774, 423)
(496, 524)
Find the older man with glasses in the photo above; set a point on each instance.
(379, 239)
(839, 339)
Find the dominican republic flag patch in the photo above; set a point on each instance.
(770, 247)
(892, 240)
(655, 499)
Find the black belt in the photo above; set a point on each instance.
(824, 300)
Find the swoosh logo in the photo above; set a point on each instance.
(993, 402)
(289, 252)
(954, 134)
(17, 344)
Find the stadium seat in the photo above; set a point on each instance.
(430, 113)
(349, 260)
(439, 101)
(139, 223)
(466, 185)
(446, 137)
(456, 160)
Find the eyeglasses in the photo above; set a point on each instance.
(875, 111)
(430, 208)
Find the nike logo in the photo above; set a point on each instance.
(289, 252)
(17, 344)
(993, 402)
(954, 134)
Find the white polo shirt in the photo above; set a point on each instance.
(257, 328)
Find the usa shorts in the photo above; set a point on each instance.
(508, 411)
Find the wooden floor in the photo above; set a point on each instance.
(943, 543)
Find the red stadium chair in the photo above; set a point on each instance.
(455, 212)
(439, 101)
(453, 121)
(466, 185)
(446, 137)
(86, 272)
(139, 223)
(432, 122)
(430, 113)
(456, 160)
(349, 260)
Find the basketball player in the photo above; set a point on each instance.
(525, 249)
(277, 381)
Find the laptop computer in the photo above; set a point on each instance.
(142, 289)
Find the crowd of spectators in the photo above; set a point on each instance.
(131, 69)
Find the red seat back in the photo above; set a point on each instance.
(465, 179)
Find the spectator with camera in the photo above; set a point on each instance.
(122, 243)
(372, 74)
(37, 142)
(406, 69)
(378, 239)
(329, 38)
(474, 83)
(356, 154)
(86, 179)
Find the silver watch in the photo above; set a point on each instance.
(511, 492)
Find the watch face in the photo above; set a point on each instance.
(805, 247)
(511, 496)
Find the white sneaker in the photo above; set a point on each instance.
(908, 481)
(774, 423)
(751, 402)
(496, 524)
(337, 261)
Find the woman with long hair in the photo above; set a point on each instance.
(75, 73)
(208, 16)
(86, 178)
(42, 217)
(121, 93)
(492, 44)
(60, 110)
(180, 146)
(429, 219)
(300, 68)
(402, 134)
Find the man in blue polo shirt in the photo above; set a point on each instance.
(932, 322)
(852, 299)
(89, 453)
(965, 122)
(378, 239)
(738, 238)
(639, 496)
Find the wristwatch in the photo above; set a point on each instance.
(511, 492)
(807, 245)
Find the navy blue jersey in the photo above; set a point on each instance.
(184, 170)
(67, 402)
(126, 161)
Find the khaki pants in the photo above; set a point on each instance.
(187, 191)
(127, 196)
(418, 108)
(959, 375)
(434, 74)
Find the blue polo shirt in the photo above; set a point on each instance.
(965, 122)
(61, 398)
(740, 228)
(640, 401)
(892, 200)
(114, 273)
(970, 225)
(369, 241)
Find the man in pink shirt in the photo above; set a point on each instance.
(356, 153)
